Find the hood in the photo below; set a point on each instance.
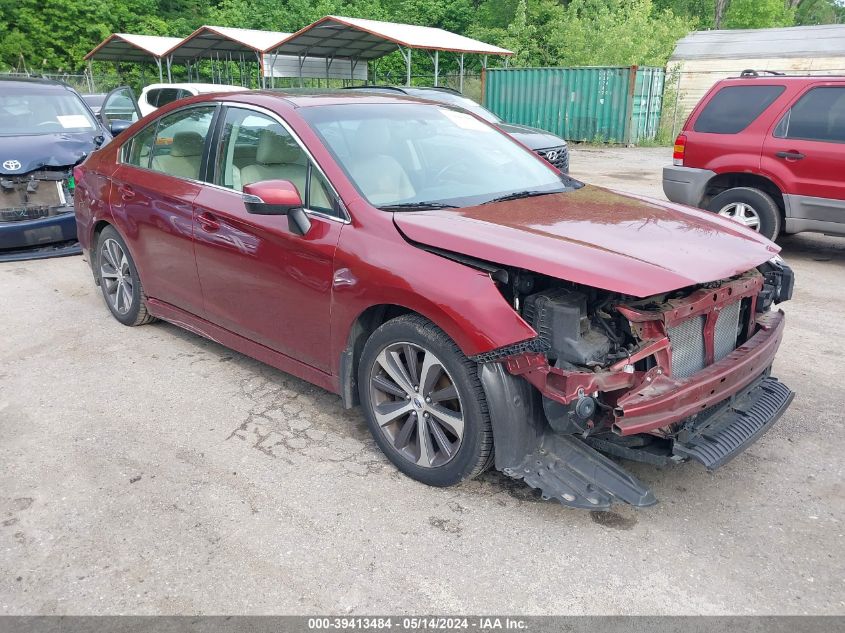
(532, 137)
(34, 151)
(596, 237)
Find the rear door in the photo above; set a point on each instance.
(152, 196)
(259, 279)
(805, 150)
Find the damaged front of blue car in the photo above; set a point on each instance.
(45, 130)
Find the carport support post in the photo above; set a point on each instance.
(461, 77)
(261, 67)
(406, 53)
(160, 75)
(436, 67)
(169, 63)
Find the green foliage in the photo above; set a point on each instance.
(820, 12)
(758, 14)
(55, 35)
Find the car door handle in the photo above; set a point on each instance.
(208, 222)
(126, 192)
(792, 155)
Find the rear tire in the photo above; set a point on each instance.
(448, 402)
(119, 281)
(753, 208)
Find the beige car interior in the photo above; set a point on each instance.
(277, 157)
(380, 176)
(185, 156)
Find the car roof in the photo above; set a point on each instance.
(42, 81)
(337, 97)
(765, 77)
(404, 89)
(201, 87)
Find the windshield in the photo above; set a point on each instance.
(411, 154)
(459, 100)
(27, 109)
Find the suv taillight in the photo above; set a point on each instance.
(680, 148)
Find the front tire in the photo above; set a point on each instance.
(753, 208)
(119, 280)
(424, 403)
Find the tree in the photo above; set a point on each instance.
(818, 11)
(758, 14)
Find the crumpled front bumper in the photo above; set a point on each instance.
(53, 236)
(664, 401)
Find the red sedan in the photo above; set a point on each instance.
(480, 306)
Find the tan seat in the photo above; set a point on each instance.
(184, 158)
(279, 158)
(378, 174)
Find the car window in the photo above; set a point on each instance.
(819, 115)
(256, 147)
(162, 96)
(409, 154)
(734, 108)
(179, 142)
(138, 150)
(29, 108)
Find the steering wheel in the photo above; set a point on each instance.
(459, 166)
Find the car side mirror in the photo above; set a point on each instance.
(277, 197)
(116, 126)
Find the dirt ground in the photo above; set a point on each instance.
(147, 470)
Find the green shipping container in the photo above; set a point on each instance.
(611, 104)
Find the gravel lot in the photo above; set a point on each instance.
(147, 470)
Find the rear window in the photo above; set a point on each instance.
(734, 108)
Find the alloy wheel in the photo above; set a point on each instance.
(416, 404)
(743, 213)
(116, 276)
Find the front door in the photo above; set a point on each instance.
(119, 105)
(153, 192)
(806, 150)
(259, 279)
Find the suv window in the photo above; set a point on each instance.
(819, 115)
(734, 108)
(256, 147)
(179, 142)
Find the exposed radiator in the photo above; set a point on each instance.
(688, 354)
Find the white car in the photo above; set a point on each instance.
(156, 95)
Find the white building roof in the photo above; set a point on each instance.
(128, 47)
(224, 39)
(338, 36)
(797, 41)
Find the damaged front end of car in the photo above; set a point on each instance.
(36, 214)
(663, 379)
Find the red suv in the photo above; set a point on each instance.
(482, 307)
(767, 151)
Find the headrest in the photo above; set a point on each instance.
(186, 144)
(275, 149)
(374, 136)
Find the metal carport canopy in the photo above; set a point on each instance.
(128, 47)
(216, 40)
(360, 39)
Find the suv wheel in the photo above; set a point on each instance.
(424, 403)
(750, 207)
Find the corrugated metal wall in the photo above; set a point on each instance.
(612, 104)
